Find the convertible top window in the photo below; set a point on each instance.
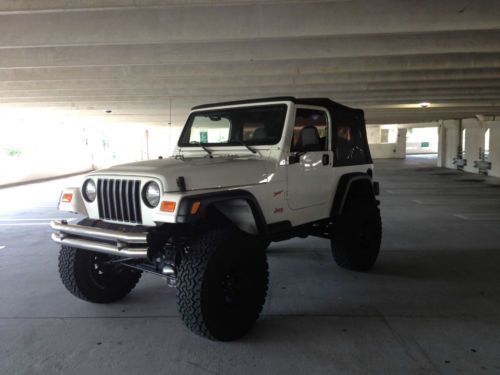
(262, 125)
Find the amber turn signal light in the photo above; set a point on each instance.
(195, 207)
(167, 206)
(67, 197)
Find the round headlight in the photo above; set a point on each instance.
(89, 190)
(151, 194)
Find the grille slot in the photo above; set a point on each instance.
(119, 200)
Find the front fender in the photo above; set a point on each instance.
(231, 203)
(346, 183)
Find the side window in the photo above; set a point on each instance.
(350, 142)
(310, 131)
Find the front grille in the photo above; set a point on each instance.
(119, 200)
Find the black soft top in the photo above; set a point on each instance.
(321, 102)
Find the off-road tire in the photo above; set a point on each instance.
(84, 275)
(222, 284)
(357, 235)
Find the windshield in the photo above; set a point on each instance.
(261, 125)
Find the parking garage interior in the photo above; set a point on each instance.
(91, 83)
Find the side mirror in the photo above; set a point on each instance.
(295, 157)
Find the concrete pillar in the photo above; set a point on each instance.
(401, 144)
(452, 139)
(472, 143)
(441, 160)
(494, 147)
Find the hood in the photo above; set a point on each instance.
(199, 173)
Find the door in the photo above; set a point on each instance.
(310, 175)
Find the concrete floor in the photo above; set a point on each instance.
(431, 305)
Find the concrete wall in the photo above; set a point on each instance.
(22, 170)
(390, 150)
(58, 149)
(416, 148)
(383, 150)
(373, 134)
(32, 149)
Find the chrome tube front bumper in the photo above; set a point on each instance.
(106, 241)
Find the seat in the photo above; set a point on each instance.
(259, 134)
(308, 140)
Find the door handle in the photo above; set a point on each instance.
(326, 159)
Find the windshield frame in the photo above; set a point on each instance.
(216, 111)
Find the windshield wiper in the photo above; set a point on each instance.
(244, 144)
(203, 147)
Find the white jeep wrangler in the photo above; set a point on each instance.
(243, 174)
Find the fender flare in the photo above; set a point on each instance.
(209, 199)
(343, 188)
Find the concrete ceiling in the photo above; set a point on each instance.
(139, 58)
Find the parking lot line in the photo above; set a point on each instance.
(39, 219)
(31, 222)
(22, 224)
